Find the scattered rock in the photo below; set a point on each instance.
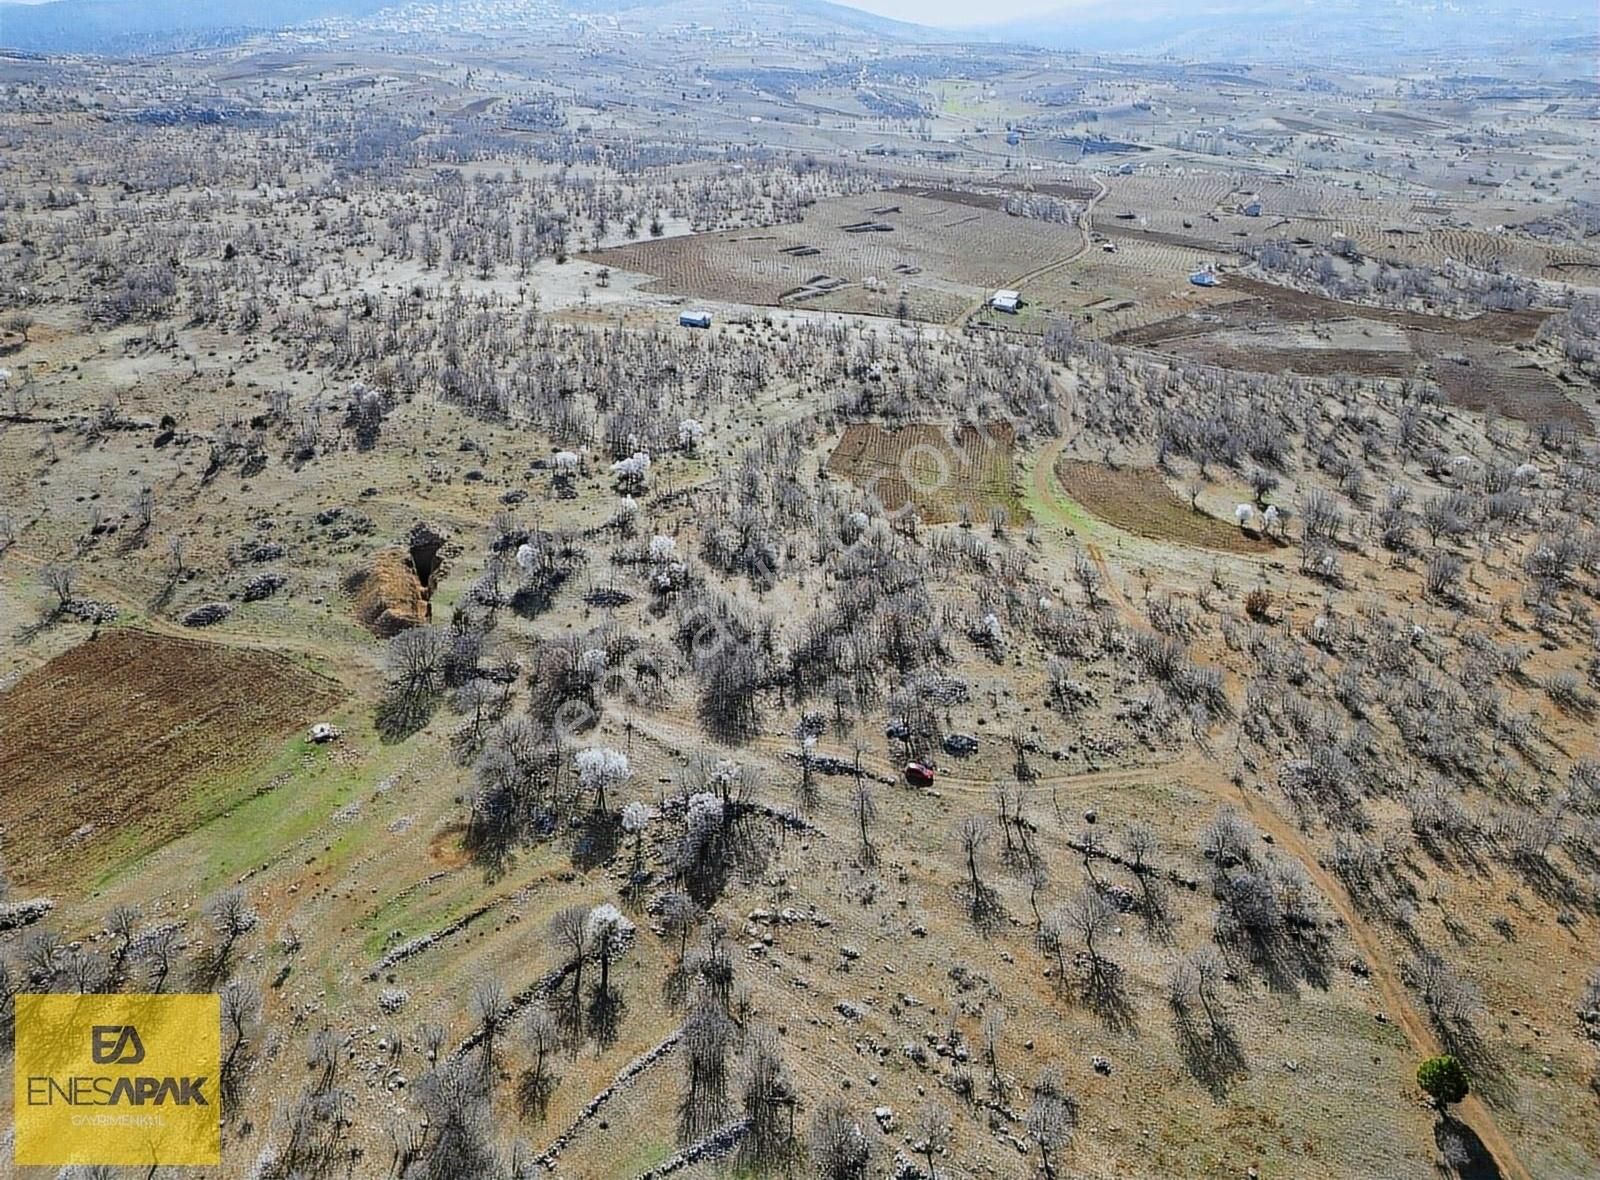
(263, 586)
(208, 615)
(90, 610)
(906, 1168)
(959, 745)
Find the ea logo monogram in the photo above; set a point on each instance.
(123, 1079)
(116, 1044)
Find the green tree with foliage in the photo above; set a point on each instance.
(1443, 1078)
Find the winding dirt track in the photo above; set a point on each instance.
(1202, 776)
(1022, 280)
(1195, 772)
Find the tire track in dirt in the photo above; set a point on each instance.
(1384, 975)
(1038, 272)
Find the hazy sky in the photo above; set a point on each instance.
(944, 13)
(953, 14)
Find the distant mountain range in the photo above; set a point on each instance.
(1304, 30)
(135, 26)
(1249, 30)
(150, 26)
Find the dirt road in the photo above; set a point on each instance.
(1385, 976)
(1018, 283)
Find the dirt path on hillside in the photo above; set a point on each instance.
(1382, 972)
(1384, 975)
(1022, 280)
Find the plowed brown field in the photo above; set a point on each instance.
(116, 730)
(937, 468)
(1137, 500)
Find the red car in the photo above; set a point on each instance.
(919, 773)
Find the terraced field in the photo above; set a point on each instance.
(1138, 500)
(856, 254)
(938, 469)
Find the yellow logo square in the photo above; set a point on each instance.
(118, 1079)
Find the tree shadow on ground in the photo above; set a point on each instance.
(1286, 957)
(605, 1015)
(1464, 1151)
(595, 839)
(1106, 994)
(1462, 1040)
(538, 593)
(401, 714)
(1155, 909)
(1547, 880)
(984, 907)
(1211, 1053)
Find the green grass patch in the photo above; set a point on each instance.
(646, 1153)
(242, 821)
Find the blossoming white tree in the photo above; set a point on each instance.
(600, 768)
(631, 472)
(610, 931)
(636, 817)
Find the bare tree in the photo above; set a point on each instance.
(707, 1034)
(840, 1147)
(679, 915)
(1442, 575)
(1052, 1119)
(489, 1014)
(933, 1133)
(537, 1083)
(241, 1008)
(143, 510)
(230, 917)
(569, 930)
(769, 1102)
(123, 926)
(983, 903)
(160, 950)
(1196, 978)
(1139, 848)
(1087, 574)
(992, 1029)
(865, 806)
(1089, 916)
(60, 580)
